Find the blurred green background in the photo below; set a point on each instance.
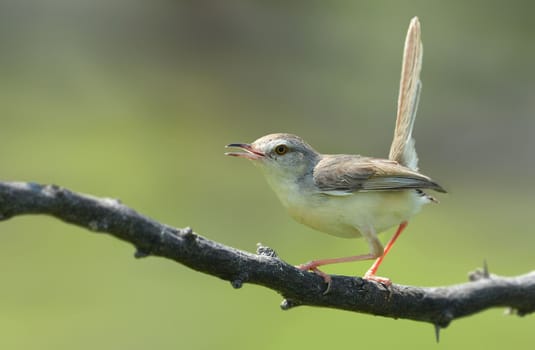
(136, 99)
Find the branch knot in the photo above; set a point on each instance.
(265, 251)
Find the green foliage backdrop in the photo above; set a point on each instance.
(136, 99)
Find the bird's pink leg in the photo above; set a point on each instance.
(370, 274)
(313, 265)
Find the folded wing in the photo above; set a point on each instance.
(344, 174)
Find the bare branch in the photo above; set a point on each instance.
(437, 305)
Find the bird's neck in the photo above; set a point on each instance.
(290, 188)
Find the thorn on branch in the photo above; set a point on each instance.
(480, 274)
(437, 332)
(485, 269)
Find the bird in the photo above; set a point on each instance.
(349, 195)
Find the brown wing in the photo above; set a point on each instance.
(349, 173)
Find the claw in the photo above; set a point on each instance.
(383, 280)
(311, 266)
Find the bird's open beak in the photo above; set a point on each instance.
(250, 152)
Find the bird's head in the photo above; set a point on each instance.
(279, 155)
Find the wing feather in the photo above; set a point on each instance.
(341, 174)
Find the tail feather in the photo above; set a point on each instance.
(403, 150)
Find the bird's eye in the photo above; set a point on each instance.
(281, 149)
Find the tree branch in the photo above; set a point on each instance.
(437, 305)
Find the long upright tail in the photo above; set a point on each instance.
(402, 149)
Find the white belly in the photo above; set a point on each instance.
(348, 215)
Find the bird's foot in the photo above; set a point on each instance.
(312, 266)
(370, 276)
